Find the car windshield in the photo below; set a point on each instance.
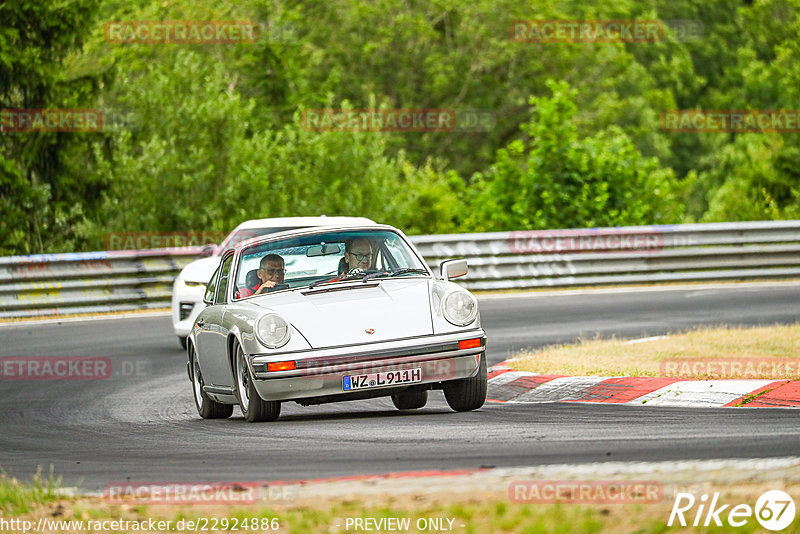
(238, 236)
(313, 260)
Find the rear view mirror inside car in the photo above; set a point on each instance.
(324, 249)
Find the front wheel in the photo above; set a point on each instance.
(467, 394)
(254, 408)
(207, 407)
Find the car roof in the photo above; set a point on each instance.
(280, 222)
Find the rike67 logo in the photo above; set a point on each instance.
(774, 511)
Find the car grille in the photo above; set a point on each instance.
(185, 310)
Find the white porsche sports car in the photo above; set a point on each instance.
(358, 315)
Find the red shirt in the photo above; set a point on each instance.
(246, 291)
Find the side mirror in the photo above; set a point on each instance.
(208, 250)
(450, 269)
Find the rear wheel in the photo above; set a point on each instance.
(254, 408)
(467, 394)
(206, 406)
(410, 400)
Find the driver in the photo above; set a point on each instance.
(271, 271)
(358, 254)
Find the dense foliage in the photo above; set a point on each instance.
(203, 136)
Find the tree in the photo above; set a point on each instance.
(560, 180)
(40, 196)
(198, 158)
(755, 178)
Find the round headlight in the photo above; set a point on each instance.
(460, 308)
(272, 330)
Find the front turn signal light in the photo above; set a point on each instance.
(281, 366)
(469, 343)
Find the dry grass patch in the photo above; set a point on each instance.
(712, 352)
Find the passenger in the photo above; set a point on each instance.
(270, 273)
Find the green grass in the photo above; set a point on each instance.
(17, 497)
(492, 515)
(488, 512)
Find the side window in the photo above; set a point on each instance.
(380, 262)
(390, 254)
(398, 254)
(209, 296)
(222, 285)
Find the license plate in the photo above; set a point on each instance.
(376, 380)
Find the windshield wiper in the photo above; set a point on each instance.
(395, 273)
(409, 270)
(370, 276)
(348, 278)
(323, 281)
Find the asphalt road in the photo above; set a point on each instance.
(141, 424)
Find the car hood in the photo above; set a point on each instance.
(389, 309)
(200, 270)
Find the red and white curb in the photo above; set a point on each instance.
(507, 385)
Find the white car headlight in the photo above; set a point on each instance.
(460, 308)
(272, 330)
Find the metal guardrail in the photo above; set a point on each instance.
(57, 284)
(92, 282)
(635, 254)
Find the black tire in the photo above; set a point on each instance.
(410, 400)
(182, 341)
(467, 394)
(254, 408)
(207, 407)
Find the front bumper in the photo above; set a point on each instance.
(320, 372)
